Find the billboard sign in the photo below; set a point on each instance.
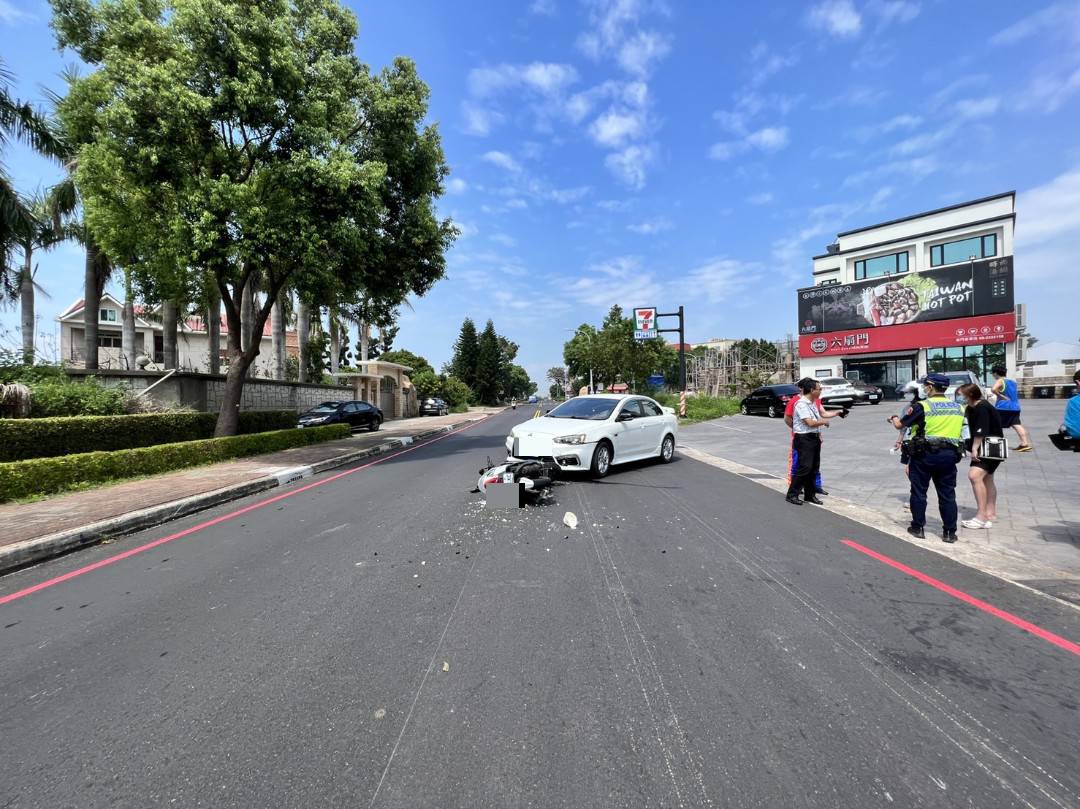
(645, 323)
(944, 293)
(932, 334)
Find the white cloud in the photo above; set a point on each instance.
(504, 239)
(10, 15)
(455, 185)
(613, 129)
(769, 139)
(650, 227)
(622, 280)
(837, 17)
(564, 196)
(467, 230)
(546, 78)
(544, 8)
(717, 280)
(763, 198)
(1059, 18)
(517, 204)
(749, 104)
(912, 169)
(638, 54)
(1049, 212)
(902, 121)
(1050, 91)
(502, 160)
(765, 63)
(479, 121)
(894, 11)
(855, 97)
(630, 164)
(977, 107)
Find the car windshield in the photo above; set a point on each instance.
(958, 377)
(323, 409)
(584, 407)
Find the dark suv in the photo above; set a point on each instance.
(356, 414)
(770, 400)
(434, 407)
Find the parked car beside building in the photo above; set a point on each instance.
(356, 414)
(865, 392)
(434, 406)
(838, 392)
(769, 400)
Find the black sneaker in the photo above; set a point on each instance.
(814, 500)
(916, 531)
(948, 536)
(794, 499)
(822, 492)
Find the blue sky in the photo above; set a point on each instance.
(666, 153)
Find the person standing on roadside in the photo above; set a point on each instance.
(938, 424)
(983, 422)
(1008, 405)
(793, 454)
(1071, 425)
(807, 422)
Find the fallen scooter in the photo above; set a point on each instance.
(535, 477)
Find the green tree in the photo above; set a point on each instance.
(39, 236)
(489, 367)
(410, 360)
(456, 393)
(427, 384)
(463, 365)
(19, 121)
(520, 386)
(614, 355)
(238, 145)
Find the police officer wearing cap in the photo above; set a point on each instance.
(937, 425)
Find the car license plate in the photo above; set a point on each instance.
(873, 398)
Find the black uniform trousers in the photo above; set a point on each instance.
(939, 466)
(807, 448)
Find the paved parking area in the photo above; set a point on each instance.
(1038, 492)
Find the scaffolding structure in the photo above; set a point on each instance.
(737, 369)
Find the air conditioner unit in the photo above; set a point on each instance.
(1021, 349)
(1021, 317)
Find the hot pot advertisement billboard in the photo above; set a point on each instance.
(964, 290)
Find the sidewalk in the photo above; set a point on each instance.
(1036, 540)
(32, 531)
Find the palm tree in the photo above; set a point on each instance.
(19, 122)
(39, 236)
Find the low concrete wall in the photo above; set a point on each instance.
(203, 392)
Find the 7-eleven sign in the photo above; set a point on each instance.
(645, 319)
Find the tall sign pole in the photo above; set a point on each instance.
(646, 328)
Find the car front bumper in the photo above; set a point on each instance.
(846, 400)
(569, 457)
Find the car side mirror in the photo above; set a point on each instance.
(626, 415)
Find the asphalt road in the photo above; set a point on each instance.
(380, 639)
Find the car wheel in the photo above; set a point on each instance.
(374, 426)
(772, 411)
(744, 410)
(667, 449)
(876, 402)
(601, 460)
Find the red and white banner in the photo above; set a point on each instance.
(932, 334)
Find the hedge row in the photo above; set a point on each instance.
(21, 439)
(50, 475)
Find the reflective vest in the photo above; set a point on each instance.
(944, 419)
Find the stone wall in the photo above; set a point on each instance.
(203, 392)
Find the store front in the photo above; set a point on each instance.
(978, 359)
(888, 373)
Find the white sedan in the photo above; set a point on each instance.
(590, 433)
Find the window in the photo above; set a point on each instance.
(634, 407)
(881, 265)
(107, 315)
(963, 250)
(977, 359)
(651, 409)
(109, 340)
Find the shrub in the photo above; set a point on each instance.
(41, 476)
(456, 393)
(21, 439)
(89, 398)
(700, 408)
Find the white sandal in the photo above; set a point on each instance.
(976, 524)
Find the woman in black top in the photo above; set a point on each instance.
(983, 422)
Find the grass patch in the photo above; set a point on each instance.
(701, 408)
(42, 476)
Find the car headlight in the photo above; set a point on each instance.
(580, 438)
(318, 420)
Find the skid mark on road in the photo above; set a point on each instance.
(666, 728)
(913, 692)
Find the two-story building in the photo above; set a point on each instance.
(927, 292)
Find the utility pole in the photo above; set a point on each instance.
(645, 333)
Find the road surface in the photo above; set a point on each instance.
(374, 637)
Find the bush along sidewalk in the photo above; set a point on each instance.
(21, 439)
(40, 476)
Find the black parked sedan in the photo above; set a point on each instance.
(770, 400)
(356, 414)
(434, 407)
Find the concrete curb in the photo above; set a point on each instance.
(39, 549)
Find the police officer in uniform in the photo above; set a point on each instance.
(937, 425)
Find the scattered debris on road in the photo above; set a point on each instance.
(570, 520)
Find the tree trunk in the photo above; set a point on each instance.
(277, 329)
(239, 361)
(365, 340)
(168, 333)
(335, 344)
(127, 332)
(303, 332)
(91, 304)
(213, 332)
(26, 302)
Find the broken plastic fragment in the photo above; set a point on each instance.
(570, 520)
(445, 666)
